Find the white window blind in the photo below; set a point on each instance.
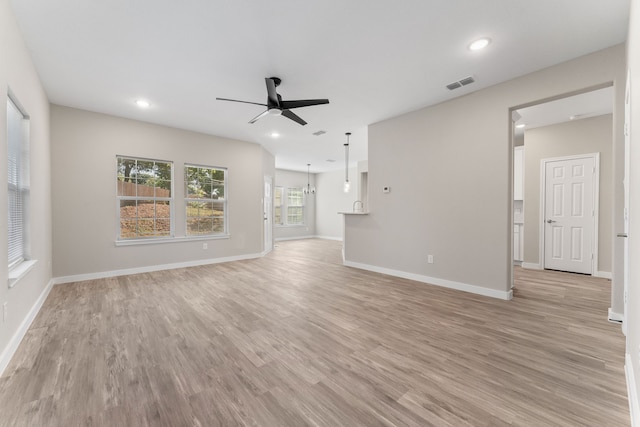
(18, 183)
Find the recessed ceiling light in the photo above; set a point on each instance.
(142, 103)
(480, 44)
(274, 134)
(521, 125)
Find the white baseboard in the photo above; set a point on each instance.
(531, 266)
(338, 239)
(615, 317)
(632, 392)
(603, 274)
(283, 239)
(15, 341)
(151, 268)
(474, 289)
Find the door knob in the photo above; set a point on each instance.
(550, 221)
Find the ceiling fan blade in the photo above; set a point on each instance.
(244, 102)
(272, 95)
(303, 103)
(259, 116)
(288, 114)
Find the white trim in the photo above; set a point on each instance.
(531, 266)
(151, 268)
(474, 289)
(596, 205)
(282, 239)
(632, 388)
(15, 341)
(614, 317)
(603, 274)
(159, 240)
(337, 239)
(19, 271)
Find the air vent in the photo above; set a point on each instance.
(320, 132)
(460, 83)
(331, 160)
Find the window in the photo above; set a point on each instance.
(18, 183)
(144, 198)
(289, 210)
(295, 206)
(277, 204)
(206, 201)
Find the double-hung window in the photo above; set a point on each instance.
(289, 206)
(144, 197)
(18, 183)
(206, 201)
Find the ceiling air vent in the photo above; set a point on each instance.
(320, 132)
(460, 83)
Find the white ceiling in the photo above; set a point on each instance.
(373, 59)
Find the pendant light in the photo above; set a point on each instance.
(309, 189)
(347, 184)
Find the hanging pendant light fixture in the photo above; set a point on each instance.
(347, 184)
(309, 189)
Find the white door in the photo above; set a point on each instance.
(268, 215)
(569, 214)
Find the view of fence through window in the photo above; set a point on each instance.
(206, 200)
(144, 197)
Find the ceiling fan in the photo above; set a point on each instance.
(276, 106)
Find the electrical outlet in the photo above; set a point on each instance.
(205, 246)
(430, 259)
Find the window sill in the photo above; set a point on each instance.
(135, 242)
(19, 271)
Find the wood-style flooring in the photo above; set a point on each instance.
(296, 339)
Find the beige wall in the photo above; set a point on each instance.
(449, 172)
(332, 199)
(633, 312)
(592, 135)
(85, 146)
(18, 75)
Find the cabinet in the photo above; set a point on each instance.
(518, 173)
(518, 242)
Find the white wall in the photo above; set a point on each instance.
(332, 199)
(85, 146)
(633, 319)
(592, 135)
(18, 74)
(449, 170)
(286, 178)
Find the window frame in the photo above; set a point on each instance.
(18, 184)
(224, 202)
(170, 200)
(285, 207)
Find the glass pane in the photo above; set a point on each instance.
(277, 199)
(217, 210)
(295, 215)
(128, 209)
(218, 225)
(162, 188)
(146, 209)
(127, 228)
(278, 215)
(294, 197)
(217, 191)
(163, 227)
(146, 227)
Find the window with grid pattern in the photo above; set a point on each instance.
(18, 183)
(295, 206)
(206, 201)
(144, 198)
(277, 206)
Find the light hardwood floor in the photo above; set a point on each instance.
(297, 339)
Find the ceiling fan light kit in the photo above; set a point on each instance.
(276, 106)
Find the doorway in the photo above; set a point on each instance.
(576, 124)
